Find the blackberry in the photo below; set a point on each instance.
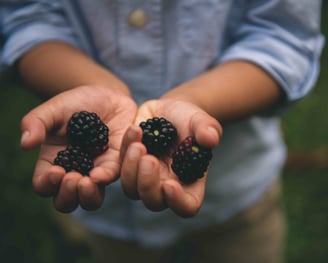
(158, 135)
(86, 130)
(73, 158)
(190, 160)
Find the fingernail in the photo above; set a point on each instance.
(169, 190)
(87, 191)
(213, 132)
(131, 134)
(71, 185)
(146, 167)
(133, 153)
(24, 136)
(53, 179)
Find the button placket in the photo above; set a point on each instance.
(158, 38)
(140, 45)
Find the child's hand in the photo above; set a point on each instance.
(46, 126)
(152, 180)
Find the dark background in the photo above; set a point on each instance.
(28, 232)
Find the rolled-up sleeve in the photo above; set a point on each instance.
(24, 24)
(282, 37)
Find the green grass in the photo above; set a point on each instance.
(28, 232)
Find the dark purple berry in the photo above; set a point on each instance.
(158, 135)
(86, 130)
(190, 160)
(73, 158)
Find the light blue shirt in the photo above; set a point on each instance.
(176, 41)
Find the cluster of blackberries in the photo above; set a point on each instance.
(189, 159)
(158, 135)
(73, 158)
(87, 138)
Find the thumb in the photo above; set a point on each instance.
(206, 129)
(146, 111)
(35, 125)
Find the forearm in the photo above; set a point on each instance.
(53, 67)
(231, 91)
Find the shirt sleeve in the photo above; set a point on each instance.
(24, 24)
(282, 37)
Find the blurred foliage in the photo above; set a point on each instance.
(305, 128)
(29, 234)
(306, 201)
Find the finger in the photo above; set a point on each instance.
(67, 198)
(104, 175)
(47, 178)
(91, 195)
(149, 184)
(146, 111)
(107, 168)
(33, 132)
(206, 129)
(185, 201)
(36, 124)
(130, 169)
(132, 134)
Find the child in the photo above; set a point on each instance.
(207, 66)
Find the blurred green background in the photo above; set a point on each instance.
(28, 232)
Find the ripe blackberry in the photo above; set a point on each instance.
(86, 130)
(73, 158)
(158, 135)
(190, 160)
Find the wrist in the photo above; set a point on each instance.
(181, 94)
(226, 97)
(53, 67)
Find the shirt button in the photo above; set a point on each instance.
(138, 18)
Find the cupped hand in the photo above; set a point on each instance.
(151, 179)
(46, 126)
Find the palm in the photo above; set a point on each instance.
(116, 112)
(158, 186)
